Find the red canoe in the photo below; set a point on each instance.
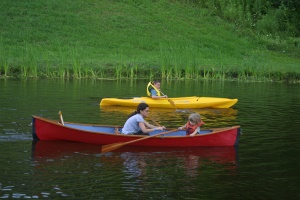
(46, 129)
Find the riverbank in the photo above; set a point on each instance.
(128, 39)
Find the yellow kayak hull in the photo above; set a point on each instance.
(178, 103)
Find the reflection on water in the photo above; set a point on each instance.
(54, 149)
(266, 166)
(131, 168)
(172, 118)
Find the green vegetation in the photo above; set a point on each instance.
(167, 39)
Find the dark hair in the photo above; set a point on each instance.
(141, 107)
(156, 81)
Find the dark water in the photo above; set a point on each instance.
(264, 166)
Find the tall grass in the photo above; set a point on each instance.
(140, 39)
(4, 62)
(188, 62)
(29, 62)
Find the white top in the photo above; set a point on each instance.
(132, 124)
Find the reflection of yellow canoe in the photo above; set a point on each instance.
(171, 118)
(180, 102)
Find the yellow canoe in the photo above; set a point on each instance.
(178, 103)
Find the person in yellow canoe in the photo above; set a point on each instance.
(192, 127)
(136, 124)
(153, 90)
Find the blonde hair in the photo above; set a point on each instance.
(195, 117)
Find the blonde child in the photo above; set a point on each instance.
(193, 125)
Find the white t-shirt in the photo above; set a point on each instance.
(132, 124)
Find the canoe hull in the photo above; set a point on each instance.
(45, 129)
(180, 102)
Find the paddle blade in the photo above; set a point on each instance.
(111, 147)
(172, 103)
(61, 118)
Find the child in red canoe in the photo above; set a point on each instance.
(193, 125)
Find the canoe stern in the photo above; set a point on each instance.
(34, 135)
(239, 132)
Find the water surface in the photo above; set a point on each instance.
(264, 165)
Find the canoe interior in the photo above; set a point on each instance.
(111, 130)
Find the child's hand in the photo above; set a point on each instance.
(180, 128)
(193, 134)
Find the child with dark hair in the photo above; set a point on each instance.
(153, 90)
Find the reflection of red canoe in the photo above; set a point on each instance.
(55, 149)
(45, 129)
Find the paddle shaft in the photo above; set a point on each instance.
(110, 147)
(156, 123)
(151, 136)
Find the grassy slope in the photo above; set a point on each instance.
(105, 32)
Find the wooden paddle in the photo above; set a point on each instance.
(111, 147)
(170, 101)
(61, 118)
(156, 123)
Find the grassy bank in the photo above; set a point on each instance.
(136, 39)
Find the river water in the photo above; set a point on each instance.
(264, 165)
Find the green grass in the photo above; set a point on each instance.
(135, 39)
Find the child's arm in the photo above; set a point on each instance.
(182, 127)
(195, 132)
